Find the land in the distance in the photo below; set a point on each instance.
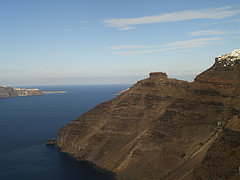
(54, 92)
(6, 92)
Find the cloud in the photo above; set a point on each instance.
(165, 47)
(125, 28)
(207, 24)
(192, 43)
(208, 32)
(132, 47)
(131, 53)
(214, 13)
(211, 32)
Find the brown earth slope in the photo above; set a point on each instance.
(159, 129)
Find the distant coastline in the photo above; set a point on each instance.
(6, 92)
(54, 92)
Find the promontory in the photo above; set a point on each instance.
(164, 128)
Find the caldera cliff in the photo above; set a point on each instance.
(162, 128)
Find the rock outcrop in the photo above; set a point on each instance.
(51, 141)
(160, 128)
(6, 92)
(221, 73)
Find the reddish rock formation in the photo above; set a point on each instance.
(159, 129)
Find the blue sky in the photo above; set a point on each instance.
(109, 41)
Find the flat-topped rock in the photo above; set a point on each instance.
(158, 75)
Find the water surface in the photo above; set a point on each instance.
(27, 122)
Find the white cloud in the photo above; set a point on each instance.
(132, 47)
(125, 28)
(208, 32)
(223, 22)
(131, 53)
(165, 47)
(207, 24)
(127, 23)
(192, 43)
(211, 32)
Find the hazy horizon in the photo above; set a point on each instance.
(91, 81)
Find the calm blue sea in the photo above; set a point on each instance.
(27, 122)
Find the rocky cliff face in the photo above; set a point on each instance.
(6, 92)
(158, 129)
(222, 160)
(221, 73)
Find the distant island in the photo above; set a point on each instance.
(6, 92)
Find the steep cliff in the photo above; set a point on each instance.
(6, 92)
(222, 72)
(158, 129)
(222, 160)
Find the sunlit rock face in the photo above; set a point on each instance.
(160, 128)
(222, 72)
(228, 61)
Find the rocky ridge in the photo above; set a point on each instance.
(160, 128)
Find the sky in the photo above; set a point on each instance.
(68, 42)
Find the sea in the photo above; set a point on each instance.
(26, 123)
